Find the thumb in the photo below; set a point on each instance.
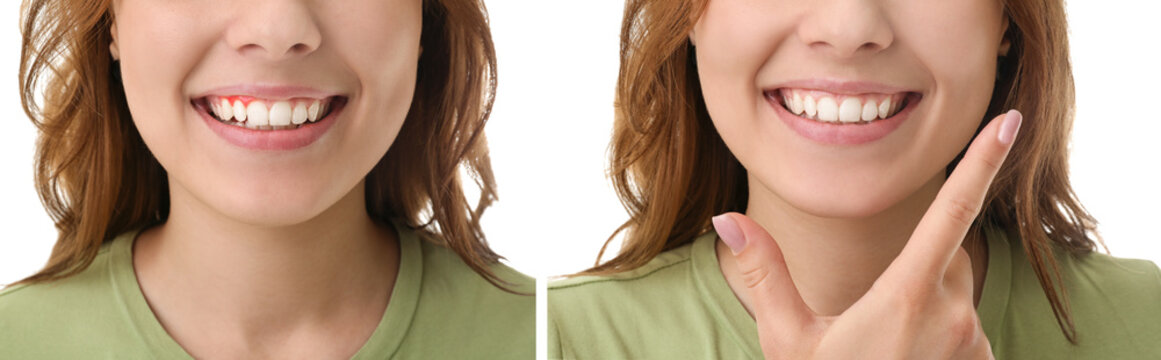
(773, 294)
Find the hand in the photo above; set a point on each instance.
(920, 308)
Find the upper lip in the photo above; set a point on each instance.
(269, 91)
(841, 87)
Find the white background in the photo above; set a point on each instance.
(553, 117)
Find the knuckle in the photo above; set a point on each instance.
(962, 211)
(755, 277)
(964, 324)
(991, 163)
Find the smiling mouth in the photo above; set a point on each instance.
(828, 107)
(266, 114)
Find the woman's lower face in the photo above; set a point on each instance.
(845, 108)
(267, 112)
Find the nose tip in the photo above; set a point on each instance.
(281, 30)
(847, 49)
(276, 49)
(847, 28)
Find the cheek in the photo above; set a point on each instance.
(735, 41)
(958, 43)
(159, 47)
(383, 54)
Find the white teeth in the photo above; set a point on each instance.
(266, 114)
(840, 108)
(827, 109)
(809, 106)
(280, 113)
(298, 115)
(869, 111)
(796, 103)
(239, 110)
(850, 110)
(257, 114)
(225, 111)
(312, 112)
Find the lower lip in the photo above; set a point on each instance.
(843, 133)
(274, 140)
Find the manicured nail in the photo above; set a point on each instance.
(730, 233)
(1010, 126)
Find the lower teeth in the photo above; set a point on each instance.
(260, 127)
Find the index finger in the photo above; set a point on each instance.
(942, 229)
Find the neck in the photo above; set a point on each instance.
(834, 261)
(201, 270)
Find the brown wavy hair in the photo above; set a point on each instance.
(97, 179)
(672, 171)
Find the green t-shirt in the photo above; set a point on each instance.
(439, 309)
(678, 306)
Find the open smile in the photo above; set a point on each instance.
(841, 119)
(269, 124)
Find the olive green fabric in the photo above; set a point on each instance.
(678, 306)
(439, 309)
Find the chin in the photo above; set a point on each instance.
(849, 200)
(274, 208)
(273, 216)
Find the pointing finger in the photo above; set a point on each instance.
(942, 229)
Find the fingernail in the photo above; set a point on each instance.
(730, 233)
(1010, 126)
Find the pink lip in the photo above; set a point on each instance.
(276, 140)
(842, 87)
(844, 134)
(269, 92)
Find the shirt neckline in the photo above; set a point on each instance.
(741, 327)
(383, 343)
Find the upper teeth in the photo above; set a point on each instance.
(823, 106)
(255, 113)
